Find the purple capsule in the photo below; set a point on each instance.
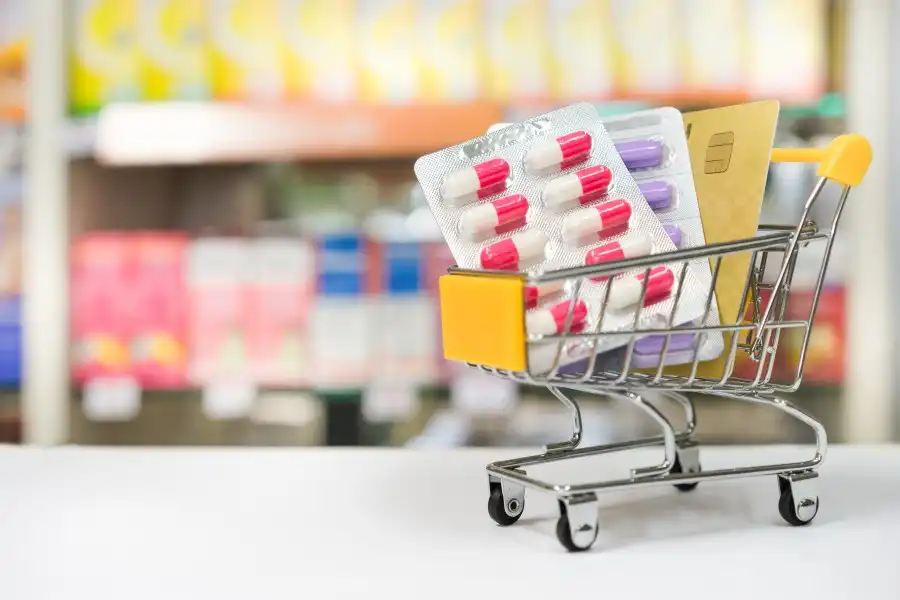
(653, 344)
(657, 193)
(640, 154)
(675, 234)
(651, 361)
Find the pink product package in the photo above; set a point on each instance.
(218, 310)
(280, 296)
(158, 312)
(100, 283)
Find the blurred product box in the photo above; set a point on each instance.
(517, 50)
(403, 320)
(105, 60)
(10, 281)
(157, 315)
(647, 39)
(450, 48)
(580, 49)
(789, 49)
(341, 321)
(281, 292)
(715, 46)
(100, 281)
(13, 42)
(827, 343)
(386, 51)
(824, 361)
(218, 271)
(174, 49)
(317, 41)
(438, 259)
(245, 50)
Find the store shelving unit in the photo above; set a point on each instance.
(210, 132)
(142, 135)
(45, 377)
(870, 408)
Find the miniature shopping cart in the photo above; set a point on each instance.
(483, 317)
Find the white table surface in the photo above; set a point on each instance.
(325, 523)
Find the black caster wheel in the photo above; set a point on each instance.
(809, 508)
(499, 509)
(564, 535)
(683, 487)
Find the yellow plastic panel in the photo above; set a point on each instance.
(483, 320)
(845, 160)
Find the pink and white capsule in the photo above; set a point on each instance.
(519, 251)
(493, 218)
(595, 220)
(582, 186)
(472, 183)
(552, 320)
(626, 292)
(534, 294)
(560, 153)
(633, 245)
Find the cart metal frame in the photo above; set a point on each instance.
(757, 332)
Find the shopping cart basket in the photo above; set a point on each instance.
(483, 317)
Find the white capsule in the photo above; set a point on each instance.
(633, 245)
(540, 322)
(460, 187)
(626, 291)
(559, 153)
(519, 251)
(600, 218)
(543, 156)
(493, 218)
(637, 244)
(477, 222)
(477, 182)
(583, 186)
(552, 320)
(535, 294)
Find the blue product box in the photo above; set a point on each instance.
(403, 268)
(341, 265)
(10, 281)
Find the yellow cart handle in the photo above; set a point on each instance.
(845, 160)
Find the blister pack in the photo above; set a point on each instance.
(653, 145)
(549, 193)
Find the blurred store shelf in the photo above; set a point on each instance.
(178, 418)
(142, 134)
(192, 133)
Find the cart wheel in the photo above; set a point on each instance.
(564, 533)
(500, 511)
(809, 508)
(678, 468)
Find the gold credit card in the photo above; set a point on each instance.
(730, 149)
